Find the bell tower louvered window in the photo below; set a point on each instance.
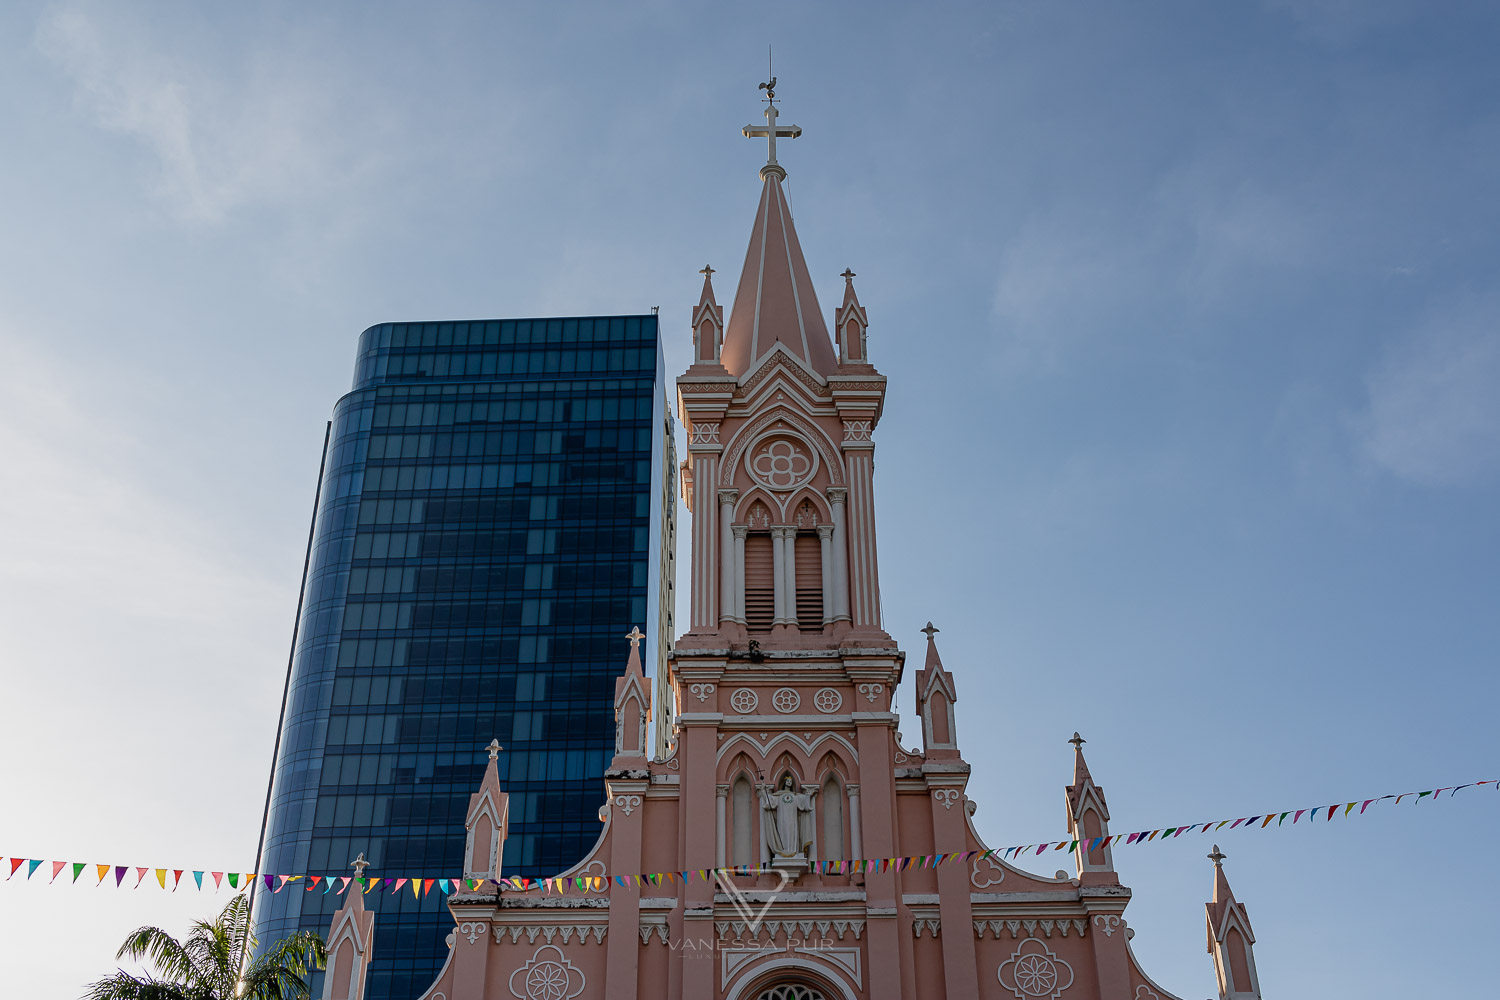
(809, 569)
(760, 582)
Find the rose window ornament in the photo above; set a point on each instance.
(781, 464)
(1034, 971)
(547, 978)
(785, 700)
(827, 701)
(744, 701)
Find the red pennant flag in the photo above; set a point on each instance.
(313, 881)
(177, 877)
(15, 863)
(57, 866)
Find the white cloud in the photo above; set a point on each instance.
(1433, 412)
(248, 131)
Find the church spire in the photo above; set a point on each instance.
(1088, 822)
(775, 305)
(1230, 939)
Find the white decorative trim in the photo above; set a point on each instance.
(705, 433)
(473, 930)
(856, 430)
(995, 927)
(549, 978)
(627, 803)
(549, 931)
(1107, 922)
(828, 700)
(701, 691)
(986, 872)
(1035, 971)
(744, 701)
(871, 691)
(947, 796)
(791, 964)
(786, 700)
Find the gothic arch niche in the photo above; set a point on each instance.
(1090, 828)
(743, 812)
(833, 811)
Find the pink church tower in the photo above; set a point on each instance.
(789, 847)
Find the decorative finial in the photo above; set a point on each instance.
(1077, 741)
(635, 635)
(707, 270)
(770, 88)
(494, 748)
(359, 865)
(1217, 857)
(931, 631)
(848, 274)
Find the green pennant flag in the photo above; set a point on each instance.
(1283, 817)
(234, 880)
(78, 867)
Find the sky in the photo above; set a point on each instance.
(1192, 325)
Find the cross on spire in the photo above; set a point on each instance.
(359, 865)
(708, 270)
(771, 131)
(635, 635)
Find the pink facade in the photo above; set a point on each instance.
(785, 752)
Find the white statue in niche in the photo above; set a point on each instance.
(787, 821)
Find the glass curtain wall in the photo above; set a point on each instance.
(490, 509)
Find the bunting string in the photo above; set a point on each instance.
(172, 879)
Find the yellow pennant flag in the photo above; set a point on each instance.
(161, 876)
(416, 887)
(1348, 807)
(103, 871)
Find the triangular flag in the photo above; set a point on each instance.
(78, 867)
(268, 879)
(140, 873)
(15, 863)
(1283, 817)
(1331, 810)
(416, 887)
(234, 880)
(103, 871)
(198, 877)
(1298, 816)
(312, 882)
(443, 885)
(344, 883)
(35, 864)
(57, 866)
(177, 877)
(120, 871)
(161, 877)
(1365, 806)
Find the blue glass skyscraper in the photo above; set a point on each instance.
(496, 511)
